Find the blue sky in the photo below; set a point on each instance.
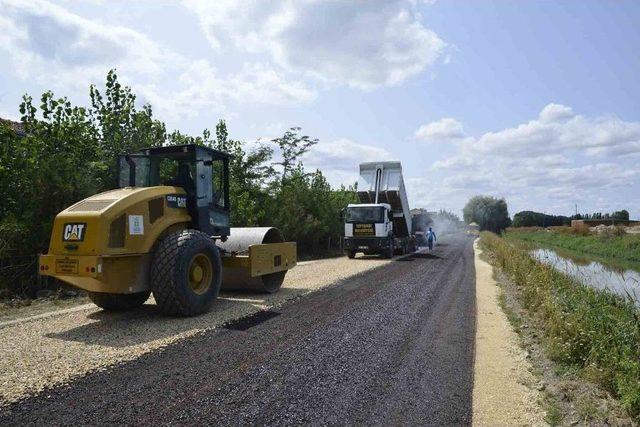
(534, 101)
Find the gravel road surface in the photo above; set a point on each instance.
(49, 349)
(393, 344)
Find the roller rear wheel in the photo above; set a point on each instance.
(186, 273)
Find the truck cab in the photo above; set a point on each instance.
(368, 228)
(381, 222)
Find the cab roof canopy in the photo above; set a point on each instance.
(184, 151)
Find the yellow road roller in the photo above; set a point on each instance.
(165, 230)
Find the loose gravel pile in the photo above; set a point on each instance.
(55, 349)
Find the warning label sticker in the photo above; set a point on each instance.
(136, 224)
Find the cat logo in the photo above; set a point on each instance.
(74, 231)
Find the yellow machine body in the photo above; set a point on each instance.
(104, 243)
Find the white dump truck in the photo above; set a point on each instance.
(381, 222)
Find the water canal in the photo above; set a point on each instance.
(623, 282)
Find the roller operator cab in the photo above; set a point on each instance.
(164, 231)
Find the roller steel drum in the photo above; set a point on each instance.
(237, 278)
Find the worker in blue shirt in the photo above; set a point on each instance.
(431, 237)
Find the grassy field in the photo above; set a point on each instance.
(623, 249)
(595, 333)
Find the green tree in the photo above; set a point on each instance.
(120, 127)
(488, 212)
(292, 145)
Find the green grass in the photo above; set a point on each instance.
(623, 249)
(554, 415)
(594, 332)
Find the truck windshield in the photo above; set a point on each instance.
(365, 214)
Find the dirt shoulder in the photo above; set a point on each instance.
(504, 390)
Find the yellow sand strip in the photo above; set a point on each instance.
(502, 393)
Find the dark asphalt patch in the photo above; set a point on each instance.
(251, 320)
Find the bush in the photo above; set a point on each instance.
(594, 331)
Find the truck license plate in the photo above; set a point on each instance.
(363, 247)
(69, 266)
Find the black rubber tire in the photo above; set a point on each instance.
(169, 267)
(119, 302)
(390, 250)
(351, 254)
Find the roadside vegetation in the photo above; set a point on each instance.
(594, 333)
(615, 245)
(65, 153)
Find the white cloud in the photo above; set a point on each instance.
(558, 129)
(46, 42)
(443, 129)
(338, 159)
(555, 112)
(200, 87)
(363, 44)
(557, 159)
(65, 51)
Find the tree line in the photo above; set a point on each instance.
(65, 153)
(623, 215)
(539, 219)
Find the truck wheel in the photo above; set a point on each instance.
(351, 254)
(118, 302)
(390, 250)
(186, 273)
